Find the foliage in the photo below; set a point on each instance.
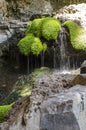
(50, 28)
(35, 27)
(3, 111)
(36, 47)
(25, 44)
(77, 35)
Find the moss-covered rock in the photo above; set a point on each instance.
(77, 35)
(35, 27)
(3, 111)
(36, 47)
(50, 28)
(25, 44)
(47, 28)
(30, 44)
(25, 85)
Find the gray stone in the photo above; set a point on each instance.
(65, 111)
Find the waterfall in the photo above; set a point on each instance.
(63, 61)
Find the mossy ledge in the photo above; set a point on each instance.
(47, 28)
(77, 35)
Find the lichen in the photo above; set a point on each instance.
(77, 35)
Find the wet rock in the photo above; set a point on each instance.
(83, 67)
(63, 111)
(79, 79)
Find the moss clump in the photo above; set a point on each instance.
(50, 28)
(44, 47)
(36, 47)
(46, 28)
(34, 28)
(25, 44)
(3, 111)
(30, 44)
(77, 35)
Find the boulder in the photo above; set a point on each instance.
(63, 111)
(79, 79)
(83, 67)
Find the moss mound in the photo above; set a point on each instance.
(77, 35)
(3, 111)
(50, 28)
(30, 44)
(36, 47)
(34, 28)
(25, 44)
(47, 28)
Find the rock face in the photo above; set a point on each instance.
(11, 31)
(83, 67)
(79, 79)
(25, 8)
(64, 111)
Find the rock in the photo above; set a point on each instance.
(83, 67)
(79, 79)
(63, 111)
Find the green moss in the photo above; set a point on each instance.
(35, 27)
(50, 28)
(77, 35)
(47, 28)
(44, 47)
(36, 47)
(38, 73)
(25, 85)
(25, 44)
(30, 44)
(3, 111)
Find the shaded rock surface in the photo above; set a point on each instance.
(83, 67)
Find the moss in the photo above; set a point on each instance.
(25, 44)
(35, 27)
(50, 28)
(21, 90)
(36, 47)
(47, 28)
(30, 44)
(44, 47)
(3, 111)
(38, 73)
(77, 35)
(25, 85)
